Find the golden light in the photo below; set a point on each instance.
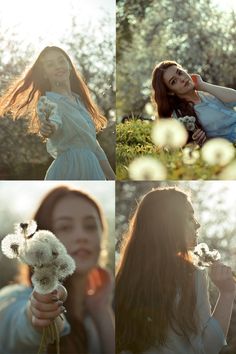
(50, 20)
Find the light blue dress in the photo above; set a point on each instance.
(218, 119)
(17, 335)
(210, 339)
(73, 146)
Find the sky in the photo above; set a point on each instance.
(21, 199)
(51, 19)
(226, 5)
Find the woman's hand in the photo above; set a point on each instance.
(221, 275)
(43, 309)
(47, 128)
(199, 136)
(198, 82)
(99, 291)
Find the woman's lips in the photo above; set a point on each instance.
(81, 253)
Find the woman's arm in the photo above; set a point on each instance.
(108, 171)
(104, 163)
(222, 277)
(224, 94)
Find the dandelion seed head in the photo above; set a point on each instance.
(26, 229)
(44, 280)
(229, 172)
(188, 122)
(35, 253)
(65, 266)
(190, 156)
(10, 245)
(50, 240)
(169, 133)
(218, 151)
(147, 168)
(204, 257)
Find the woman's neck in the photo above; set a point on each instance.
(76, 294)
(192, 96)
(62, 88)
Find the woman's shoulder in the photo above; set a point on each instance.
(14, 290)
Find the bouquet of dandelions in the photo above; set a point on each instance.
(189, 122)
(50, 263)
(203, 257)
(47, 110)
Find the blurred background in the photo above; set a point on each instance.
(86, 31)
(200, 35)
(214, 205)
(20, 200)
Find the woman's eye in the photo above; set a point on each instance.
(90, 227)
(173, 82)
(63, 228)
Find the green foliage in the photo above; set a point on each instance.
(134, 140)
(194, 33)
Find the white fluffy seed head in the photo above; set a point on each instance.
(35, 253)
(10, 245)
(26, 229)
(65, 266)
(51, 242)
(44, 280)
(218, 151)
(169, 133)
(147, 168)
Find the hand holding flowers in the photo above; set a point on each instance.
(47, 110)
(51, 264)
(220, 274)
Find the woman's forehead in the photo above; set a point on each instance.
(53, 54)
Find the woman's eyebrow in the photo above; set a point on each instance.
(69, 218)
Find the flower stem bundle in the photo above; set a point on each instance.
(47, 256)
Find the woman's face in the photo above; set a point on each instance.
(56, 67)
(192, 226)
(177, 80)
(76, 223)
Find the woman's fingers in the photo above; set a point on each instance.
(47, 315)
(47, 128)
(222, 276)
(199, 136)
(47, 307)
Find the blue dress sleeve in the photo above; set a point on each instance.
(17, 335)
(100, 153)
(230, 104)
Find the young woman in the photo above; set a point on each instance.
(178, 94)
(71, 131)
(162, 304)
(78, 221)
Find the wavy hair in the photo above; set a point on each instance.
(155, 282)
(22, 96)
(165, 103)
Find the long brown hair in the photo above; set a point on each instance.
(22, 96)
(165, 103)
(155, 267)
(76, 341)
